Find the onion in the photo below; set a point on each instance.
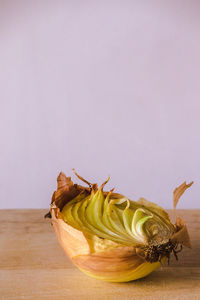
(110, 237)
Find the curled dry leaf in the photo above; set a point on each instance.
(110, 237)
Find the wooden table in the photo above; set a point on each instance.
(33, 266)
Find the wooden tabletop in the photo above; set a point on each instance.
(33, 266)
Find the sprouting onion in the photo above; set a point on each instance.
(110, 237)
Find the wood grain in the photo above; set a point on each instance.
(33, 266)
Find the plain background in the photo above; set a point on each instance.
(106, 87)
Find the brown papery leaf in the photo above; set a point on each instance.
(66, 190)
(178, 192)
(181, 236)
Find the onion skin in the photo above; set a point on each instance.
(119, 263)
(141, 271)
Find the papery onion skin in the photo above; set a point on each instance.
(98, 257)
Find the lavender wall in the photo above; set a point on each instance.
(106, 87)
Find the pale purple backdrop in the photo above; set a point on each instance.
(106, 87)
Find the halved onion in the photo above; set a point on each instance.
(110, 237)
